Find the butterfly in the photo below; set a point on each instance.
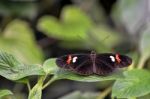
(88, 64)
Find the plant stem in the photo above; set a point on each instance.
(104, 93)
(36, 91)
(28, 85)
(141, 62)
(49, 82)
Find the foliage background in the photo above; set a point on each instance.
(34, 31)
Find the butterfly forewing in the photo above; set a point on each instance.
(108, 62)
(104, 64)
(79, 63)
(125, 61)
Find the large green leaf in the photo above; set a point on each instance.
(135, 84)
(18, 39)
(103, 38)
(99, 38)
(74, 24)
(5, 93)
(105, 35)
(144, 97)
(51, 67)
(12, 69)
(76, 30)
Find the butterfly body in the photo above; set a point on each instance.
(87, 64)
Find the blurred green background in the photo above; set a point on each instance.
(35, 30)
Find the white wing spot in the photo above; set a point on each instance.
(74, 59)
(112, 58)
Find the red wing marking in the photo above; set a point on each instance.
(117, 57)
(69, 59)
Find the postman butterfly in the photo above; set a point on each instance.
(88, 64)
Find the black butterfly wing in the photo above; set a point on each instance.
(103, 65)
(106, 63)
(125, 61)
(83, 64)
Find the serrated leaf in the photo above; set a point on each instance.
(21, 71)
(73, 24)
(11, 69)
(5, 92)
(7, 60)
(18, 39)
(135, 84)
(65, 74)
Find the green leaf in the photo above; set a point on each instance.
(102, 35)
(7, 60)
(80, 44)
(36, 92)
(65, 74)
(74, 24)
(135, 84)
(97, 35)
(144, 97)
(5, 93)
(18, 39)
(80, 95)
(49, 66)
(24, 80)
(105, 35)
(11, 69)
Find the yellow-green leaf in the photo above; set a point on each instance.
(5, 92)
(18, 39)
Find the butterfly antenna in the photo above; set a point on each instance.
(105, 38)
